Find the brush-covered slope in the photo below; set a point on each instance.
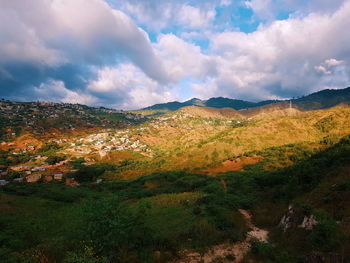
(195, 138)
(324, 99)
(178, 216)
(214, 113)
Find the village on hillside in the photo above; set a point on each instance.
(75, 130)
(42, 117)
(28, 155)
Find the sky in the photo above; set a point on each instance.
(129, 54)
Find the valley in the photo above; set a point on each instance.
(196, 183)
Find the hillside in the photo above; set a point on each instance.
(46, 118)
(318, 100)
(199, 184)
(218, 102)
(323, 99)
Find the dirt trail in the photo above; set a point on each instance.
(228, 252)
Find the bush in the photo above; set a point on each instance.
(111, 229)
(49, 148)
(77, 163)
(261, 248)
(55, 159)
(3, 158)
(92, 172)
(85, 257)
(325, 236)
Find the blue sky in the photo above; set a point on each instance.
(131, 53)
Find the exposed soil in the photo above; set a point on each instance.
(232, 165)
(228, 252)
(22, 142)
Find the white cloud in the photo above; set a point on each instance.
(282, 59)
(263, 8)
(329, 66)
(55, 90)
(206, 89)
(21, 43)
(54, 32)
(270, 9)
(126, 87)
(160, 14)
(183, 59)
(322, 69)
(332, 62)
(192, 17)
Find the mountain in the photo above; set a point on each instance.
(218, 102)
(319, 100)
(323, 99)
(175, 105)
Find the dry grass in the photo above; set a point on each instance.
(193, 144)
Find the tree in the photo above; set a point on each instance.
(113, 230)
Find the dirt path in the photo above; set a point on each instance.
(228, 252)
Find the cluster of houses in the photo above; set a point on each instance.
(184, 120)
(19, 150)
(178, 116)
(34, 174)
(105, 142)
(32, 116)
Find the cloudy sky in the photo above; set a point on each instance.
(133, 53)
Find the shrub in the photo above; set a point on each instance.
(325, 236)
(49, 148)
(262, 248)
(111, 229)
(77, 163)
(55, 159)
(85, 257)
(92, 172)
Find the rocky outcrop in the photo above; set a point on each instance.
(308, 222)
(297, 218)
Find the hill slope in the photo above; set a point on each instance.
(180, 179)
(218, 102)
(323, 99)
(318, 100)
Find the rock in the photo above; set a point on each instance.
(308, 222)
(286, 221)
(296, 217)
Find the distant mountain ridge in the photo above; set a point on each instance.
(319, 100)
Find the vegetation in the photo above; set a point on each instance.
(53, 159)
(123, 221)
(184, 191)
(92, 172)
